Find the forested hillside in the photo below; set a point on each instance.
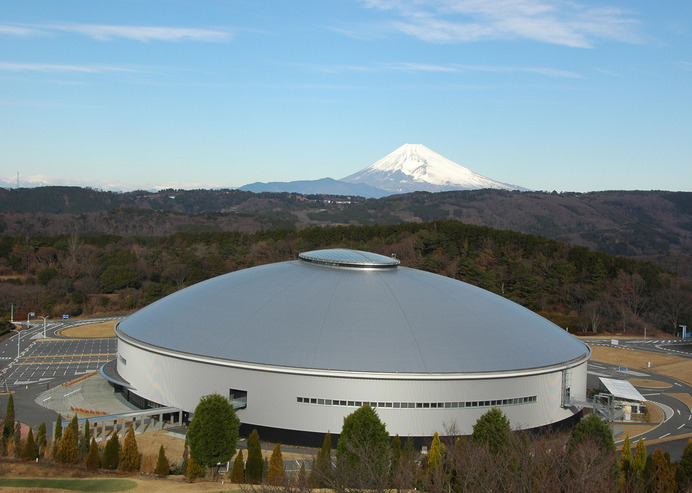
(620, 223)
(577, 288)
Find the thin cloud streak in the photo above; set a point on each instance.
(414, 67)
(548, 21)
(102, 32)
(56, 68)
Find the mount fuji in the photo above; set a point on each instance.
(410, 168)
(415, 168)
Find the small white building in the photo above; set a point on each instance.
(625, 396)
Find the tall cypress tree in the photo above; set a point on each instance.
(74, 424)
(626, 461)
(322, 473)
(93, 460)
(162, 467)
(41, 439)
(67, 450)
(686, 459)
(8, 426)
(275, 474)
(238, 471)
(129, 456)
(111, 453)
(253, 466)
(29, 450)
(57, 436)
(84, 441)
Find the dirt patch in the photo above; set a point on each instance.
(663, 364)
(91, 331)
(652, 384)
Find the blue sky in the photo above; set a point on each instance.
(573, 95)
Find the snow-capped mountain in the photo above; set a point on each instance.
(414, 168)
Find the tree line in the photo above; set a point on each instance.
(577, 288)
(492, 458)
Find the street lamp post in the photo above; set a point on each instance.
(19, 334)
(12, 313)
(44, 324)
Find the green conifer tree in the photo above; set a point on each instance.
(74, 424)
(129, 455)
(626, 462)
(322, 471)
(253, 465)
(686, 459)
(275, 475)
(57, 436)
(238, 470)
(639, 459)
(29, 450)
(84, 441)
(436, 454)
(93, 460)
(8, 425)
(162, 468)
(492, 429)
(67, 450)
(396, 457)
(186, 457)
(111, 453)
(41, 439)
(17, 439)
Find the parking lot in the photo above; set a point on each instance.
(51, 361)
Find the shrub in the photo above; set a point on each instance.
(111, 453)
(162, 468)
(238, 471)
(29, 449)
(253, 466)
(129, 456)
(93, 460)
(67, 450)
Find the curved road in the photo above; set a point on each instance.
(678, 418)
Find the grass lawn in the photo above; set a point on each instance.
(69, 484)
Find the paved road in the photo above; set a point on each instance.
(678, 418)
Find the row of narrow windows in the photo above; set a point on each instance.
(419, 405)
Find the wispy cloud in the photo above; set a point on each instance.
(58, 68)
(6, 30)
(413, 67)
(560, 22)
(102, 32)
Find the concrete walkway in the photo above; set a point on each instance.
(94, 395)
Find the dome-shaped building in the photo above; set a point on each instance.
(299, 345)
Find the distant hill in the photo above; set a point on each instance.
(637, 223)
(328, 186)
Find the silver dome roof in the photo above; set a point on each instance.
(354, 311)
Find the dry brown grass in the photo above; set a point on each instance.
(144, 484)
(652, 384)
(101, 329)
(662, 364)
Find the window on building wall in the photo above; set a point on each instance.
(238, 398)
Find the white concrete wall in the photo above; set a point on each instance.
(272, 396)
